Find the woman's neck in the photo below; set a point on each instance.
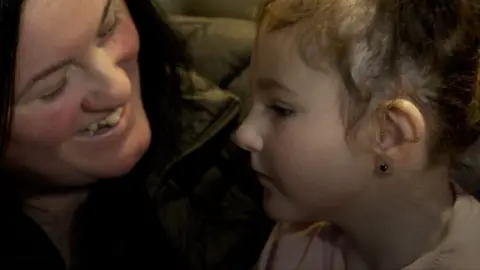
(55, 214)
(399, 225)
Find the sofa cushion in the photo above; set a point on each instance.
(173, 6)
(240, 86)
(240, 9)
(220, 47)
(467, 172)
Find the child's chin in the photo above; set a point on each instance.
(278, 208)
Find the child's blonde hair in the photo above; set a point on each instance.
(423, 50)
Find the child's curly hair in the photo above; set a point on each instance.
(425, 50)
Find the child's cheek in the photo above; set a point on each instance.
(46, 126)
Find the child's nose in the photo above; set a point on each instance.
(247, 138)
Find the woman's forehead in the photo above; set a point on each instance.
(47, 19)
(53, 30)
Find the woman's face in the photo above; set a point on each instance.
(78, 115)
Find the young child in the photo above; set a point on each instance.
(360, 109)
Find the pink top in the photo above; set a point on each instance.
(314, 248)
(318, 247)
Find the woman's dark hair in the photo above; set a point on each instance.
(9, 31)
(162, 56)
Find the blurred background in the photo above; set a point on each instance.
(241, 9)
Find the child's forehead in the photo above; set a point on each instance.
(287, 38)
(277, 55)
(293, 46)
(279, 47)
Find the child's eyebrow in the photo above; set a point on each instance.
(106, 11)
(270, 84)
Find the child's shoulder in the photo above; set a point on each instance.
(461, 245)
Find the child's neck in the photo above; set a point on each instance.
(396, 226)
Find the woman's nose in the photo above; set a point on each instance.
(248, 138)
(112, 86)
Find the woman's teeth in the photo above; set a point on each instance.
(104, 124)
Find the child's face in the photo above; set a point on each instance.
(296, 135)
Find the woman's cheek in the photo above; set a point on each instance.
(48, 126)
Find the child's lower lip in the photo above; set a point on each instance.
(264, 179)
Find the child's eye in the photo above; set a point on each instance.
(281, 110)
(109, 29)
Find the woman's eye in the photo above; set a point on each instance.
(281, 110)
(57, 90)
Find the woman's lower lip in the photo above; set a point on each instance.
(118, 129)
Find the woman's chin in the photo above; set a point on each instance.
(121, 166)
(117, 170)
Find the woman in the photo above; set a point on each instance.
(82, 143)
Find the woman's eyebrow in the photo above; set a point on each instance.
(47, 72)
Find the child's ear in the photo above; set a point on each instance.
(401, 131)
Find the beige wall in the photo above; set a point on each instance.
(227, 8)
(245, 9)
